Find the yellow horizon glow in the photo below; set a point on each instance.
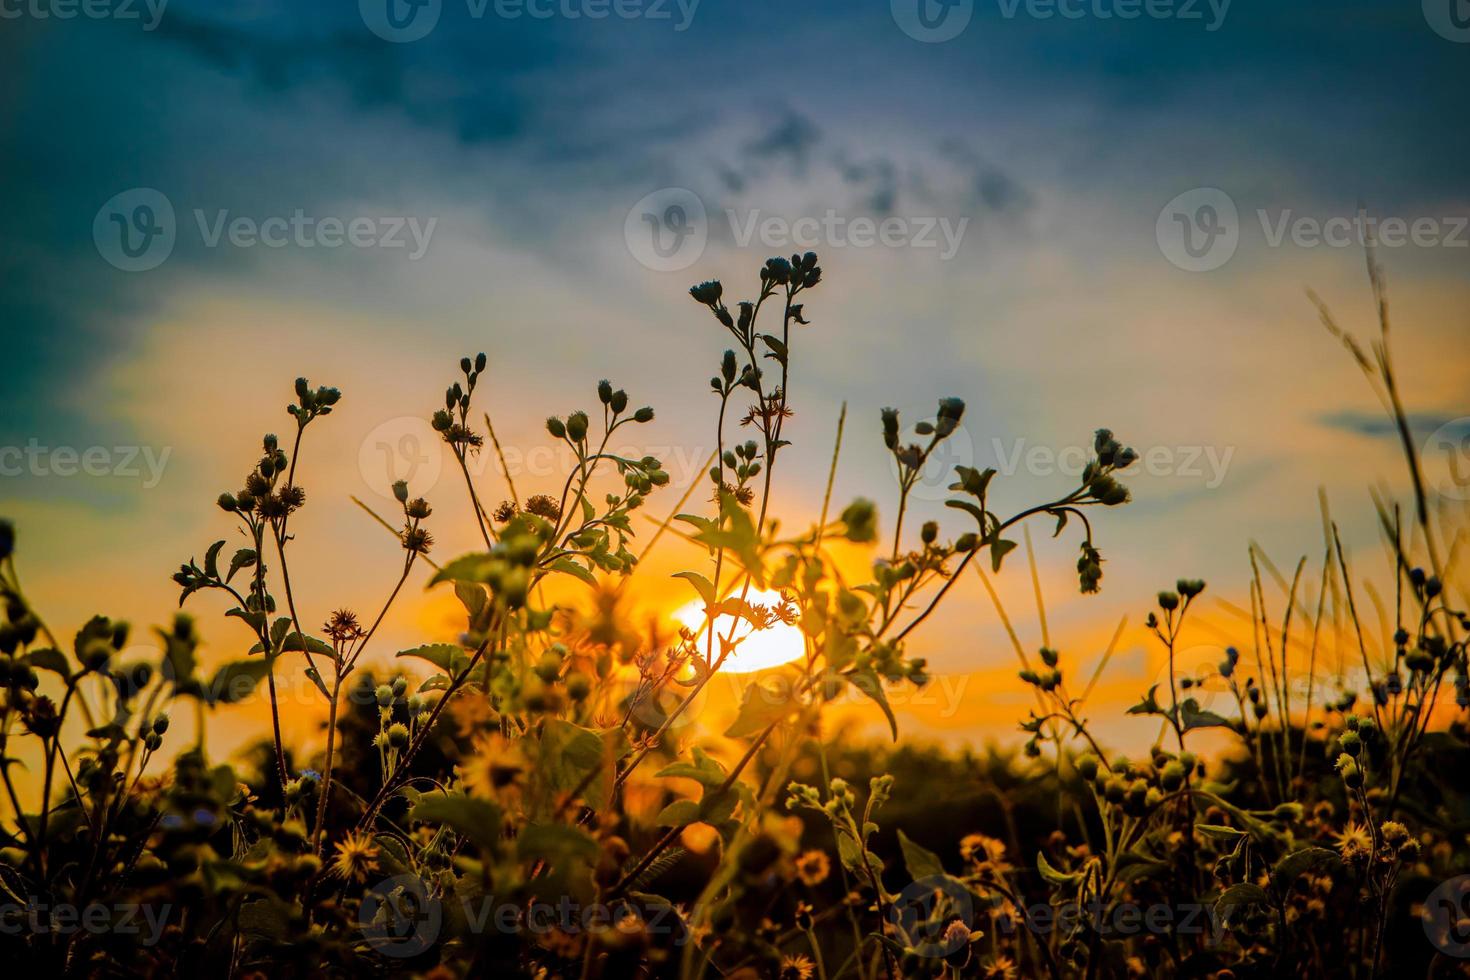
(756, 649)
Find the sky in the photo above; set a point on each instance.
(1070, 214)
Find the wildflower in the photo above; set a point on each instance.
(343, 627)
(494, 763)
(999, 968)
(1353, 842)
(357, 857)
(812, 867)
(543, 506)
(417, 540)
(986, 852)
(796, 968)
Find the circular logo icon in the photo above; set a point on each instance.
(400, 21)
(937, 474)
(1450, 19)
(924, 911)
(1446, 917)
(406, 448)
(135, 230)
(1198, 230)
(1447, 459)
(932, 21)
(399, 918)
(666, 231)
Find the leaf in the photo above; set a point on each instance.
(999, 548)
(702, 585)
(448, 657)
(299, 642)
(555, 842)
(465, 568)
(575, 569)
(868, 681)
(476, 820)
(1054, 877)
(1237, 896)
(1300, 862)
(920, 861)
(235, 681)
(48, 658)
(244, 558)
(973, 510)
(705, 770)
(763, 705)
(1191, 716)
(1148, 706)
(679, 813)
(1220, 832)
(315, 677)
(569, 753)
(211, 559)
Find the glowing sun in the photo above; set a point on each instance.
(757, 649)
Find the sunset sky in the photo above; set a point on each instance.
(1032, 174)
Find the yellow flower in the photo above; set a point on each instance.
(812, 867)
(796, 968)
(1353, 842)
(356, 858)
(494, 764)
(984, 850)
(999, 968)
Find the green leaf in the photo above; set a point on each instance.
(555, 842)
(570, 752)
(575, 569)
(920, 861)
(235, 681)
(48, 658)
(705, 770)
(1300, 862)
(1053, 876)
(476, 820)
(1238, 896)
(702, 585)
(868, 681)
(679, 813)
(295, 642)
(465, 568)
(1220, 832)
(1148, 706)
(211, 559)
(999, 548)
(763, 705)
(448, 657)
(1191, 716)
(244, 558)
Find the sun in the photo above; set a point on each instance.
(757, 650)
